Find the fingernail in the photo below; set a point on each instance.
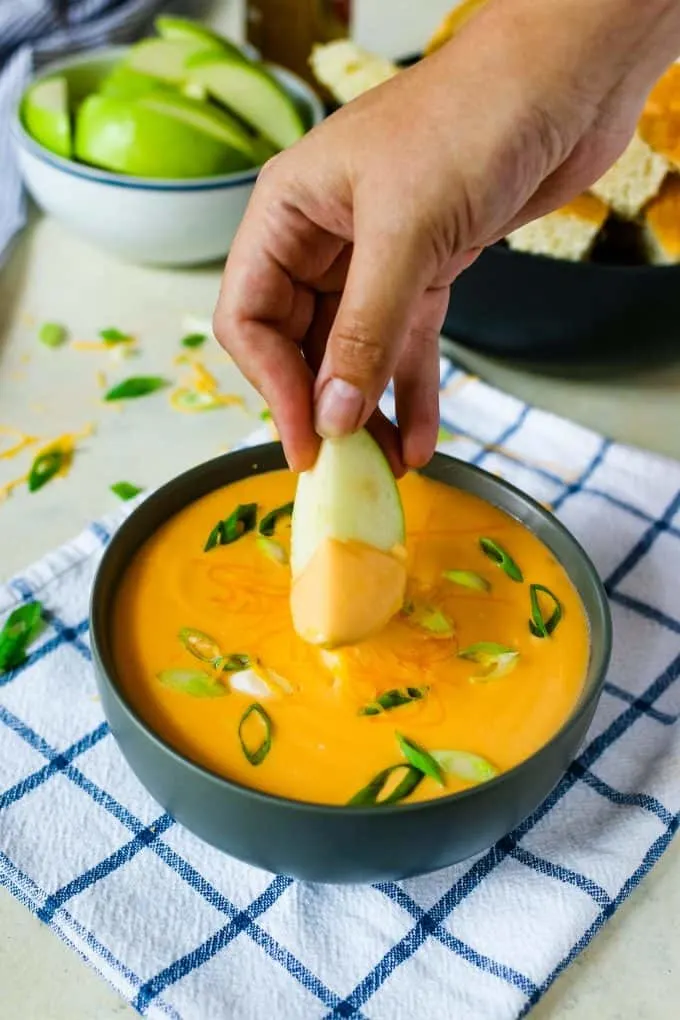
(338, 409)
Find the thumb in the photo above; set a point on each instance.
(387, 277)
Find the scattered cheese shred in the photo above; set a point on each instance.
(101, 380)
(21, 441)
(90, 345)
(8, 488)
(201, 392)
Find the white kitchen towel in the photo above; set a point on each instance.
(183, 931)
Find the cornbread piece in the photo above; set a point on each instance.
(567, 233)
(659, 124)
(636, 177)
(452, 23)
(347, 70)
(662, 224)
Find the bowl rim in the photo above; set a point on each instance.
(583, 268)
(598, 666)
(23, 140)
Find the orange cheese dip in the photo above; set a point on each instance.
(322, 749)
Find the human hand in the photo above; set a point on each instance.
(338, 279)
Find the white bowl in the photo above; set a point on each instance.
(142, 219)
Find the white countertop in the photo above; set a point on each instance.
(631, 969)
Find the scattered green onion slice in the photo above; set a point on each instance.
(233, 663)
(420, 759)
(467, 579)
(394, 698)
(44, 467)
(273, 549)
(270, 520)
(194, 340)
(465, 765)
(538, 625)
(194, 682)
(432, 620)
(136, 386)
(199, 644)
(257, 755)
(265, 415)
(125, 490)
(239, 521)
(195, 400)
(21, 628)
(369, 794)
(52, 334)
(496, 660)
(501, 558)
(115, 336)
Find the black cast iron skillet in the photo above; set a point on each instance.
(322, 843)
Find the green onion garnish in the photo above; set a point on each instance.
(195, 400)
(193, 682)
(368, 796)
(136, 386)
(273, 549)
(44, 467)
(394, 698)
(270, 520)
(467, 579)
(199, 644)
(193, 340)
(257, 754)
(265, 415)
(125, 490)
(500, 557)
(432, 620)
(465, 765)
(239, 521)
(52, 334)
(233, 663)
(538, 625)
(420, 759)
(115, 336)
(496, 660)
(21, 628)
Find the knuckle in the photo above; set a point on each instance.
(358, 349)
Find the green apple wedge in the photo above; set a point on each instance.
(46, 116)
(166, 58)
(125, 82)
(182, 28)
(252, 93)
(350, 494)
(158, 135)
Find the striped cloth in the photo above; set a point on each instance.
(32, 31)
(185, 932)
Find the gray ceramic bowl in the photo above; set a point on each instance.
(321, 843)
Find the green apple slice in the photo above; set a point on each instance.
(347, 552)
(46, 115)
(125, 82)
(207, 118)
(182, 28)
(166, 58)
(155, 136)
(252, 93)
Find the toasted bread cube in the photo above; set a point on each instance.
(662, 224)
(636, 177)
(660, 121)
(568, 233)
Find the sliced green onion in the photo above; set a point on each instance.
(52, 334)
(465, 765)
(420, 759)
(21, 628)
(467, 579)
(233, 663)
(394, 698)
(538, 625)
(368, 796)
(193, 340)
(270, 520)
(501, 558)
(195, 400)
(194, 682)
(258, 754)
(125, 490)
(239, 521)
(136, 386)
(44, 467)
(273, 549)
(199, 644)
(432, 620)
(115, 336)
(496, 660)
(265, 415)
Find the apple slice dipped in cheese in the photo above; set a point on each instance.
(348, 559)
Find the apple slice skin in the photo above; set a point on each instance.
(167, 58)
(208, 118)
(124, 82)
(252, 93)
(46, 116)
(126, 136)
(169, 27)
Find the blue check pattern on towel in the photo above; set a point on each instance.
(183, 931)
